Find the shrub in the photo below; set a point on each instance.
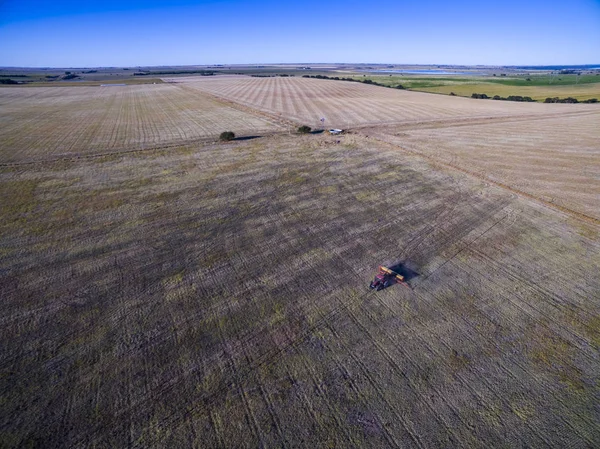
(452, 94)
(400, 86)
(591, 100)
(482, 96)
(226, 136)
(519, 98)
(304, 129)
(564, 100)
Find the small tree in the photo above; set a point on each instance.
(227, 136)
(304, 129)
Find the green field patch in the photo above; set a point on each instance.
(367, 196)
(593, 331)
(523, 409)
(328, 190)
(17, 200)
(556, 355)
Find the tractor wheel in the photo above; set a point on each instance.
(379, 287)
(371, 285)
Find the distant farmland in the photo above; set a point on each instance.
(47, 122)
(538, 87)
(345, 104)
(163, 289)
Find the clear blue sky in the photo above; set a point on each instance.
(94, 33)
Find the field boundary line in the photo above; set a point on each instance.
(549, 204)
(124, 152)
(475, 120)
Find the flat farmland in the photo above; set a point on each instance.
(346, 104)
(216, 295)
(539, 93)
(49, 122)
(556, 160)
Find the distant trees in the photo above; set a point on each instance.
(176, 72)
(569, 100)
(8, 81)
(509, 98)
(226, 136)
(514, 98)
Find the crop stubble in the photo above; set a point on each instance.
(44, 123)
(215, 295)
(218, 297)
(345, 104)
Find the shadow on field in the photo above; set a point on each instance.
(317, 131)
(247, 138)
(403, 269)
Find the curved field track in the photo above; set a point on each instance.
(345, 104)
(556, 160)
(48, 122)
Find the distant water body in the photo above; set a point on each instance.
(424, 72)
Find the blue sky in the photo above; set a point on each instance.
(91, 33)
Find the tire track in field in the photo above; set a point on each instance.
(526, 307)
(480, 397)
(269, 405)
(332, 248)
(436, 161)
(327, 323)
(391, 358)
(239, 385)
(523, 310)
(264, 359)
(391, 361)
(448, 347)
(546, 293)
(503, 368)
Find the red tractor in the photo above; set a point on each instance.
(385, 278)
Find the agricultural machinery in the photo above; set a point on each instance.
(385, 278)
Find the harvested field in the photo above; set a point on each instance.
(203, 294)
(216, 296)
(556, 160)
(48, 122)
(345, 104)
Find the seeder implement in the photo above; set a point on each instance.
(385, 278)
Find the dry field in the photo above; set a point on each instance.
(50, 122)
(345, 104)
(556, 160)
(216, 295)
